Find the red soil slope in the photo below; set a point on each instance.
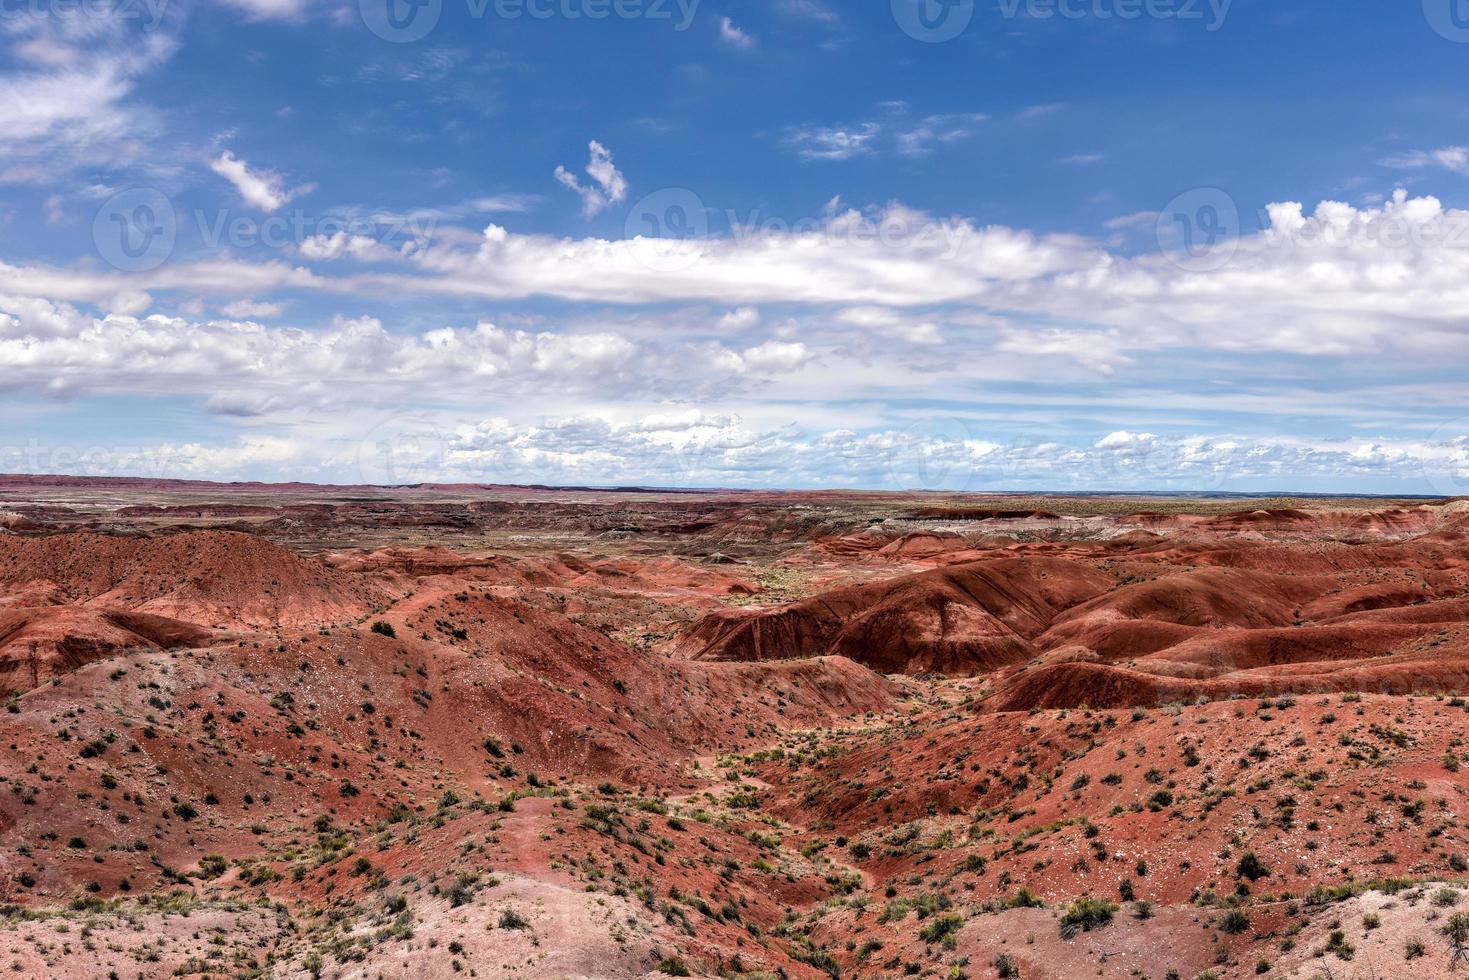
(37, 644)
(958, 619)
(212, 578)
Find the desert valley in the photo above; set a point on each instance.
(299, 731)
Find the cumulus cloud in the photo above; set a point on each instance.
(264, 189)
(1335, 281)
(693, 448)
(854, 308)
(740, 318)
(246, 368)
(608, 185)
(247, 457)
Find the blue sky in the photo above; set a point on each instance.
(1065, 244)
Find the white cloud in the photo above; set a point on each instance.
(775, 357)
(733, 36)
(609, 185)
(1042, 110)
(813, 10)
(341, 243)
(740, 318)
(1099, 350)
(263, 189)
(1339, 280)
(832, 142)
(1452, 158)
(892, 323)
(245, 309)
(68, 103)
(1137, 219)
(918, 138)
(271, 9)
(895, 130)
(244, 366)
(693, 448)
(1336, 281)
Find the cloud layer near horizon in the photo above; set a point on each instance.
(872, 305)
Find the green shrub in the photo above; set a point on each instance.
(1086, 914)
(941, 929)
(1235, 921)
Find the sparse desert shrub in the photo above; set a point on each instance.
(941, 929)
(212, 865)
(1337, 943)
(384, 629)
(1235, 921)
(1086, 914)
(1251, 867)
(511, 919)
(1457, 929)
(1026, 899)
